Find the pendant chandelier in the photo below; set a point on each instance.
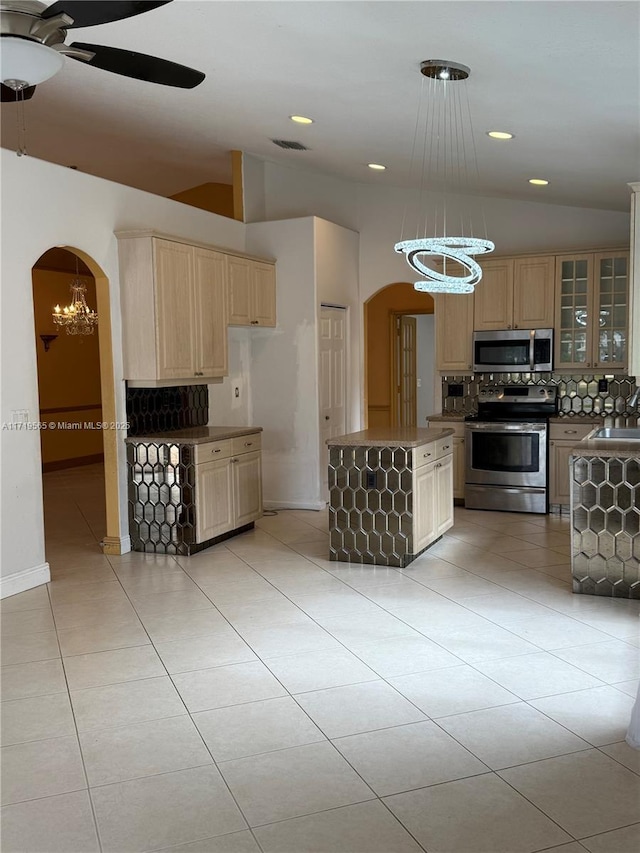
(77, 318)
(443, 223)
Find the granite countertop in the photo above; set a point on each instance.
(606, 448)
(389, 437)
(194, 435)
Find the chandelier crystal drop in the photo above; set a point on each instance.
(444, 220)
(76, 318)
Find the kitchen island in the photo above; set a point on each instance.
(391, 493)
(605, 517)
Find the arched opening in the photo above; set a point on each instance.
(76, 400)
(399, 356)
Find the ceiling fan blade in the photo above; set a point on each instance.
(9, 95)
(140, 66)
(88, 13)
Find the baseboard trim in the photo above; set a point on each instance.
(24, 580)
(316, 505)
(116, 545)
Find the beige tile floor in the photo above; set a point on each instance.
(257, 697)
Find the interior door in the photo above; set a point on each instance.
(332, 382)
(406, 370)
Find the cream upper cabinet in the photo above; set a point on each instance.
(516, 293)
(454, 332)
(252, 293)
(592, 311)
(493, 308)
(174, 311)
(533, 292)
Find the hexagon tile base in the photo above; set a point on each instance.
(371, 505)
(605, 516)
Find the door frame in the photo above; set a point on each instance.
(393, 359)
(347, 383)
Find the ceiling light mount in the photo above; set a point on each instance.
(443, 69)
(444, 224)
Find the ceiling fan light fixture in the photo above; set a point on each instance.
(25, 63)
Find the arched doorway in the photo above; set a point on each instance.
(53, 270)
(398, 356)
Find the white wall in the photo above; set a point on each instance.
(45, 205)
(375, 211)
(284, 369)
(225, 409)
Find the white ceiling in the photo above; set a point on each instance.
(563, 76)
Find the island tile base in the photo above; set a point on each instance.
(605, 513)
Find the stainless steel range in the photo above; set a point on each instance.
(507, 448)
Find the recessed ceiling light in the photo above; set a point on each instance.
(538, 182)
(378, 167)
(500, 134)
(301, 119)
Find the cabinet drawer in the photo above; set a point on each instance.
(212, 450)
(568, 432)
(423, 455)
(444, 446)
(246, 443)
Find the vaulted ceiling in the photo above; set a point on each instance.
(562, 76)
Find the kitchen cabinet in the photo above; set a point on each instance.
(562, 440)
(432, 492)
(252, 292)
(515, 293)
(458, 454)
(454, 316)
(592, 311)
(228, 489)
(173, 309)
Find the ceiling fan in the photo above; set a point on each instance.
(32, 45)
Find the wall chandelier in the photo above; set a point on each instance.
(76, 318)
(444, 227)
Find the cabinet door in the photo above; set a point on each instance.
(239, 276)
(444, 495)
(458, 468)
(210, 316)
(559, 480)
(494, 296)
(263, 293)
(175, 343)
(610, 310)
(574, 292)
(214, 499)
(247, 488)
(533, 293)
(454, 332)
(424, 506)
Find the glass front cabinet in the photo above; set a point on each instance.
(592, 299)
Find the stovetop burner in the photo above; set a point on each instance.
(518, 403)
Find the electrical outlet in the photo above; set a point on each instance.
(236, 392)
(418, 383)
(370, 479)
(603, 386)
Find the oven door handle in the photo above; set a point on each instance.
(532, 349)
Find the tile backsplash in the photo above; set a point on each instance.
(578, 395)
(152, 410)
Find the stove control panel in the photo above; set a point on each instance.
(518, 394)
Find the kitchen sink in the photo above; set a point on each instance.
(618, 433)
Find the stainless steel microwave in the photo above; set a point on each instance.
(513, 351)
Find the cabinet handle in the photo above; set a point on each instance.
(248, 444)
(551, 443)
(424, 455)
(234, 460)
(589, 364)
(571, 431)
(438, 465)
(469, 367)
(509, 326)
(216, 451)
(446, 447)
(515, 325)
(255, 322)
